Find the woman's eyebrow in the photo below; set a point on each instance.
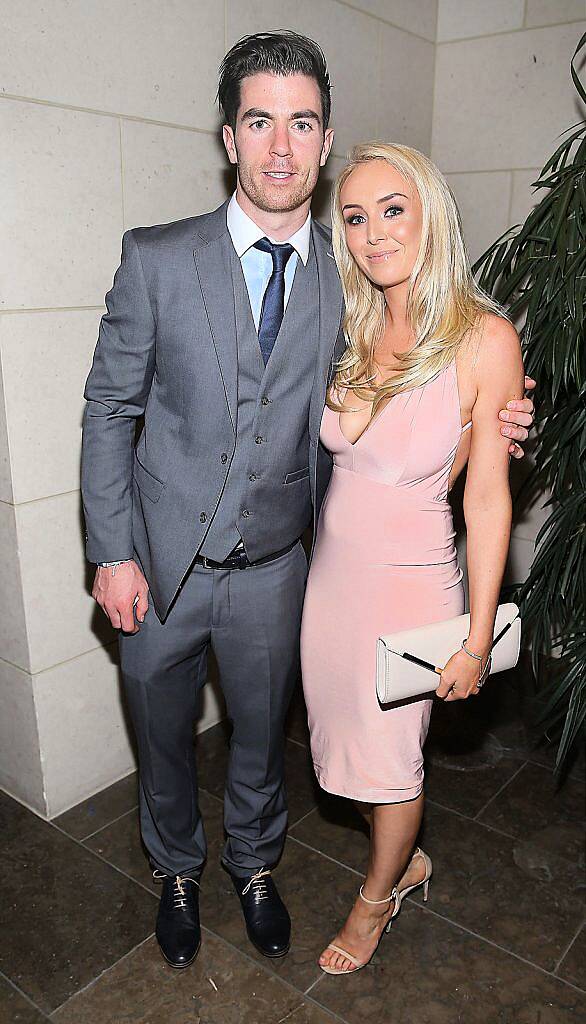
(384, 199)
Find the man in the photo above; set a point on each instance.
(221, 330)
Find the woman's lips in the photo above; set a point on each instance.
(381, 256)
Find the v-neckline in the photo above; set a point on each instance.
(369, 425)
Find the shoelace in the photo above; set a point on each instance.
(260, 887)
(179, 901)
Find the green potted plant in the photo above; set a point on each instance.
(538, 271)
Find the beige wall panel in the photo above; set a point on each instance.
(350, 41)
(483, 201)
(20, 764)
(524, 196)
(501, 102)
(13, 630)
(5, 472)
(419, 17)
(170, 173)
(61, 215)
(84, 738)
(406, 103)
(551, 12)
(46, 357)
(457, 20)
(139, 57)
(62, 618)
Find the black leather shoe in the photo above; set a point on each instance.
(267, 920)
(178, 930)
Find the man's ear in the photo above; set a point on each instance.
(327, 145)
(229, 143)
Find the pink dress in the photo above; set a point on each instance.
(384, 560)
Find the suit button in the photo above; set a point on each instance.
(202, 517)
(223, 458)
(245, 513)
(258, 440)
(265, 400)
(252, 477)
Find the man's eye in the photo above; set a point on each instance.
(303, 126)
(258, 124)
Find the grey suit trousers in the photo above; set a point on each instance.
(251, 618)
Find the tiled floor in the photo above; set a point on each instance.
(501, 941)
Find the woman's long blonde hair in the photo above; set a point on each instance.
(444, 302)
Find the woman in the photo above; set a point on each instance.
(429, 362)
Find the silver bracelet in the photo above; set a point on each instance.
(477, 657)
(113, 565)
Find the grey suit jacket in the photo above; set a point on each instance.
(167, 350)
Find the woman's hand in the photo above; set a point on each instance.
(460, 677)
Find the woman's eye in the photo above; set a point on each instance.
(393, 210)
(355, 218)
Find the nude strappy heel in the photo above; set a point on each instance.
(401, 893)
(344, 952)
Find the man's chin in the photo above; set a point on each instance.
(277, 199)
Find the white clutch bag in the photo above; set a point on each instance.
(405, 660)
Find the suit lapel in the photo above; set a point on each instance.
(330, 314)
(212, 263)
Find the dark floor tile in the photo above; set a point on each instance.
(534, 801)
(120, 844)
(212, 762)
(15, 1009)
(465, 763)
(335, 828)
(317, 892)
(212, 758)
(481, 881)
(573, 966)
(222, 987)
(303, 789)
(296, 724)
(64, 915)
(101, 809)
(431, 972)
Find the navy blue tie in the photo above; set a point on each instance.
(274, 298)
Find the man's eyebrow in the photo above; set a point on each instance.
(306, 115)
(256, 112)
(383, 199)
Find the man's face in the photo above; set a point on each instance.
(279, 144)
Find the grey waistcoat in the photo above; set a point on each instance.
(266, 500)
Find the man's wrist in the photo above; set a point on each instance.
(109, 565)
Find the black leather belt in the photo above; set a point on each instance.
(240, 560)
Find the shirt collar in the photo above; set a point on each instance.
(244, 232)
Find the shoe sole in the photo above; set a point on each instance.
(180, 967)
(271, 956)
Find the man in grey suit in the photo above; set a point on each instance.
(221, 331)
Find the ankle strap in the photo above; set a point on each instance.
(373, 903)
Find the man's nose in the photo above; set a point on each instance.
(280, 142)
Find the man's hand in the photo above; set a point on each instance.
(121, 591)
(519, 417)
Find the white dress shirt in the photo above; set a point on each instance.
(257, 266)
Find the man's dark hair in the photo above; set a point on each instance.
(278, 53)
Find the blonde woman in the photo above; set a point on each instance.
(430, 361)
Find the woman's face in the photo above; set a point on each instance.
(383, 219)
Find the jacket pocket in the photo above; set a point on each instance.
(147, 484)
(299, 474)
